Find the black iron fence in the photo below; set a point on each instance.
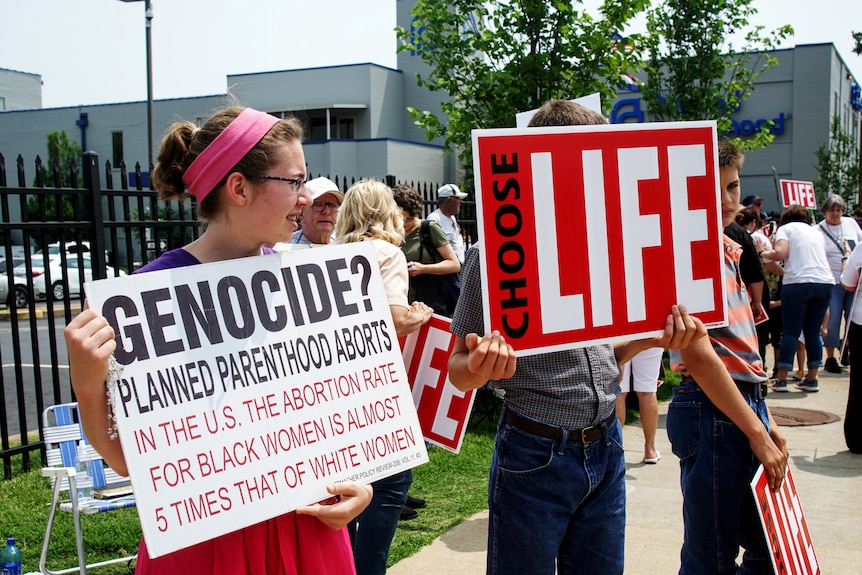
(62, 235)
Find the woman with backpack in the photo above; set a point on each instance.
(431, 261)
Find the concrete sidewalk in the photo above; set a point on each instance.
(827, 478)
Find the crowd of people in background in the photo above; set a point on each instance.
(557, 478)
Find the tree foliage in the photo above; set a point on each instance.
(838, 165)
(694, 71)
(857, 36)
(494, 59)
(63, 154)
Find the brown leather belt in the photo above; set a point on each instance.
(586, 435)
(755, 390)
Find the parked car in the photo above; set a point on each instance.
(67, 283)
(21, 290)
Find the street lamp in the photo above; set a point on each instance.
(148, 15)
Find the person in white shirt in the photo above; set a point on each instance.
(449, 198)
(805, 293)
(841, 235)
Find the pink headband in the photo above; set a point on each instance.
(226, 151)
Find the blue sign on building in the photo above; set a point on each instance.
(629, 110)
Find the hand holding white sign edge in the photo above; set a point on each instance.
(671, 167)
(295, 382)
(784, 525)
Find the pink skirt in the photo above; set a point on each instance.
(290, 544)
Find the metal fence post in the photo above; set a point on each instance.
(93, 184)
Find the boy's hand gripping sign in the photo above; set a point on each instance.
(591, 233)
(249, 385)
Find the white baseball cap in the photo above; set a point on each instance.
(449, 190)
(320, 186)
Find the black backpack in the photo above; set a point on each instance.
(440, 292)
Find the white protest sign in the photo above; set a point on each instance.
(591, 101)
(249, 385)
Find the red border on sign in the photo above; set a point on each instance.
(784, 525)
(515, 214)
(435, 397)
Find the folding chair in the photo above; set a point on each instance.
(487, 406)
(77, 471)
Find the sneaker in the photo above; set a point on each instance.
(415, 503)
(810, 386)
(832, 365)
(780, 385)
(845, 356)
(797, 376)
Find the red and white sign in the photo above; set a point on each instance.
(250, 385)
(798, 192)
(784, 525)
(591, 233)
(443, 410)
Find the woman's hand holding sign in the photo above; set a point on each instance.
(348, 500)
(90, 342)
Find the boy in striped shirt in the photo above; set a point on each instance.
(719, 425)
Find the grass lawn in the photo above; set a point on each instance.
(455, 487)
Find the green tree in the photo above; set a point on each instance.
(838, 166)
(694, 72)
(62, 152)
(496, 58)
(857, 36)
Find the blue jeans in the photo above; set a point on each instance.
(716, 468)
(803, 307)
(839, 307)
(556, 505)
(371, 533)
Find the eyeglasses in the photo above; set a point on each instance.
(298, 183)
(320, 206)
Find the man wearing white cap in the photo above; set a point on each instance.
(449, 203)
(317, 222)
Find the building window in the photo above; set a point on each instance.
(117, 148)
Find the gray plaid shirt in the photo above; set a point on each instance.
(573, 389)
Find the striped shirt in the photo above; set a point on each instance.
(573, 389)
(736, 343)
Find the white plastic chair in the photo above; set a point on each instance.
(76, 470)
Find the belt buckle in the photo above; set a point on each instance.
(762, 389)
(588, 430)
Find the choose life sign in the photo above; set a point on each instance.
(249, 385)
(443, 410)
(591, 233)
(798, 192)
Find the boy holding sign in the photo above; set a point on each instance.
(719, 425)
(557, 478)
(247, 171)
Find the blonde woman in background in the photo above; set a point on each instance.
(369, 214)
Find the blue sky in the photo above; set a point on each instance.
(92, 51)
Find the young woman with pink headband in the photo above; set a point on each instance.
(247, 171)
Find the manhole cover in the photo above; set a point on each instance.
(792, 416)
